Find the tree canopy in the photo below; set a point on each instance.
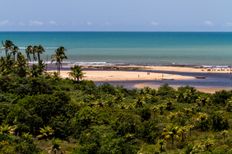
(41, 113)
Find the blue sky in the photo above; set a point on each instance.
(116, 15)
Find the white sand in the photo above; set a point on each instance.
(181, 69)
(125, 76)
(113, 75)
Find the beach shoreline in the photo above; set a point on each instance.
(134, 67)
(205, 79)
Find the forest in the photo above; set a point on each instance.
(41, 113)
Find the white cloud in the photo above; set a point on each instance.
(89, 23)
(36, 23)
(208, 23)
(4, 22)
(154, 23)
(52, 22)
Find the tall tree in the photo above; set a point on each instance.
(21, 65)
(58, 57)
(34, 51)
(6, 64)
(14, 51)
(40, 50)
(7, 45)
(29, 50)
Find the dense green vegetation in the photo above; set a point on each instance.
(42, 113)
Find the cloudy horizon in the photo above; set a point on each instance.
(121, 15)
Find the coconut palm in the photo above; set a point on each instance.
(170, 132)
(34, 51)
(6, 64)
(29, 50)
(182, 132)
(58, 57)
(21, 63)
(40, 50)
(14, 51)
(76, 72)
(7, 45)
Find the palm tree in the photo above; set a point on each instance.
(76, 73)
(29, 50)
(182, 131)
(59, 56)
(6, 64)
(34, 51)
(14, 51)
(8, 45)
(37, 70)
(22, 66)
(40, 50)
(170, 132)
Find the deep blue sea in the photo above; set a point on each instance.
(145, 48)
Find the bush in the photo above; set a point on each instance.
(187, 95)
(221, 97)
(166, 91)
(126, 123)
(219, 123)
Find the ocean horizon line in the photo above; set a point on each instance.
(122, 31)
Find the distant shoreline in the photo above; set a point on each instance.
(111, 66)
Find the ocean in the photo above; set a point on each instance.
(141, 48)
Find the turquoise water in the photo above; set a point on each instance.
(155, 48)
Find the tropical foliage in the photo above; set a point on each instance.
(40, 113)
(76, 73)
(58, 57)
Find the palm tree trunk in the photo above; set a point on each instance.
(172, 141)
(34, 57)
(38, 55)
(6, 51)
(58, 67)
(14, 56)
(28, 56)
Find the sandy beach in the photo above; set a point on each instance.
(155, 76)
(102, 75)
